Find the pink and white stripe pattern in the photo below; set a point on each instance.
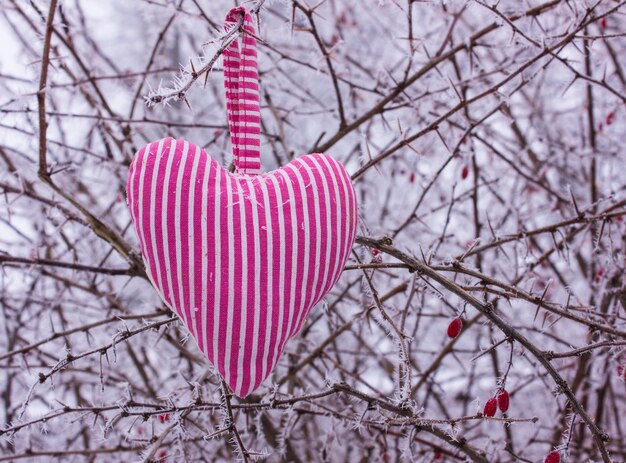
(241, 81)
(242, 258)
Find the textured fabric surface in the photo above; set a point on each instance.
(242, 258)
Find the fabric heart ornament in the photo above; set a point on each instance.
(241, 257)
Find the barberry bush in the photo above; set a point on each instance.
(482, 314)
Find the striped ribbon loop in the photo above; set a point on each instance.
(241, 82)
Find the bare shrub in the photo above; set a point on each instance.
(485, 143)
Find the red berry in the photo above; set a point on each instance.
(600, 273)
(503, 400)
(553, 457)
(454, 328)
(530, 188)
(438, 456)
(610, 117)
(163, 417)
(603, 23)
(464, 172)
(412, 177)
(491, 407)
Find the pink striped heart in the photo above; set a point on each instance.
(241, 258)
